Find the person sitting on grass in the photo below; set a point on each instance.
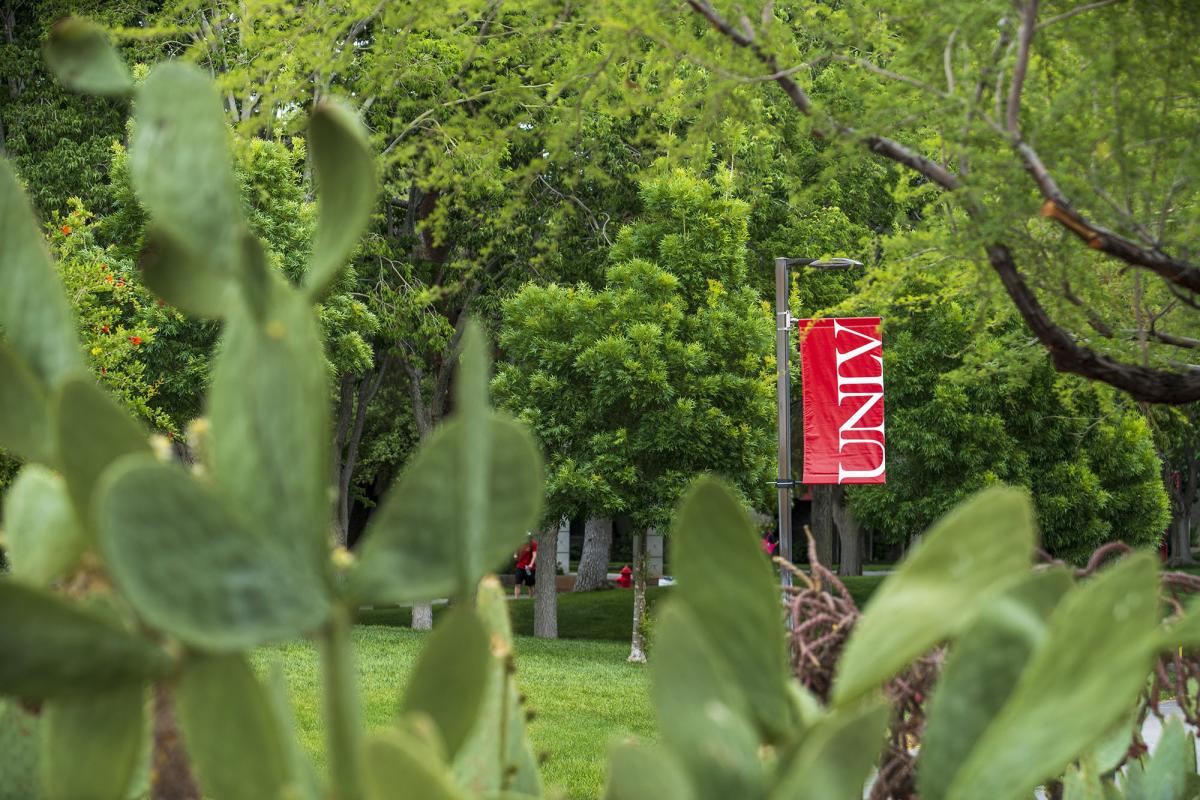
(526, 570)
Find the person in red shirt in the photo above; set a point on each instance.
(526, 570)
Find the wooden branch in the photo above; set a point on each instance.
(1176, 341)
(1058, 208)
(1098, 238)
(948, 61)
(1067, 355)
(1076, 11)
(930, 169)
(1025, 39)
(1098, 324)
(797, 95)
(889, 148)
(891, 75)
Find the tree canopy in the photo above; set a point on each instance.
(662, 374)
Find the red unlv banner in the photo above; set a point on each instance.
(842, 362)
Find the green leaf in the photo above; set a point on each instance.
(415, 544)
(1170, 770)
(397, 758)
(92, 744)
(24, 410)
(966, 556)
(230, 731)
(93, 431)
(639, 771)
(981, 671)
(450, 677)
(183, 278)
(1082, 782)
(35, 318)
(43, 538)
(497, 754)
(179, 161)
(461, 506)
(192, 569)
(345, 176)
(80, 55)
(1082, 678)
(703, 716)
(725, 581)
(258, 282)
(1110, 750)
(18, 752)
(836, 756)
(51, 646)
(269, 409)
(1183, 631)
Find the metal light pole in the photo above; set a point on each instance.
(783, 392)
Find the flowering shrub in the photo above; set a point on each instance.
(116, 315)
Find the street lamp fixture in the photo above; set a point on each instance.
(783, 327)
(819, 263)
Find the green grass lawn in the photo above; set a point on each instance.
(582, 691)
(584, 695)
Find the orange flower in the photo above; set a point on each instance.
(108, 278)
(66, 229)
(104, 329)
(136, 340)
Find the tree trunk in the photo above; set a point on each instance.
(1181, 486)
(545, 589)
(170, 773)
(1182, 553)
(637, 648)
(422, 616)
(357, 392)
(1179, 541)
(822, 525)
(849, 535)
(597, 549)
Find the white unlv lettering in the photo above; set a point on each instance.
(872, 398)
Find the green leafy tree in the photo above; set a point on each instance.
(661, 374)
(996, 106)
(971, 403)
(58, 140)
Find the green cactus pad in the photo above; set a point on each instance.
(192, 569)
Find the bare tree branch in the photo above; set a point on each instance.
(1176, 341)
(1025, 39)
(1076, 11)
(948, 61)
(1142, 383)
(933, 171)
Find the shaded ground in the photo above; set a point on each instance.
(602, 616)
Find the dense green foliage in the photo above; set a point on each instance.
(130, 570)
(197, 567)
(660, 375)
(971, 401)
(512, 140)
